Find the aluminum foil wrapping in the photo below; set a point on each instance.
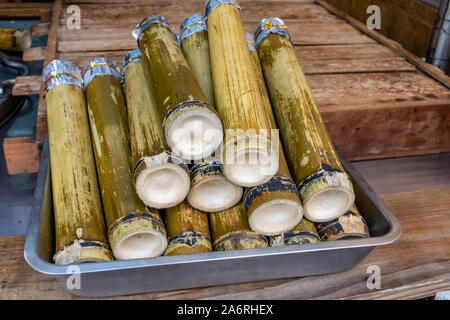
(210, 5)
(145, 23)
(61, 72)
(191, 25)
(99, 67)
(250, 42)
(130, 58)
(271, 25)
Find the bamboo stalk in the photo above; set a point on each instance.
(14, 39)
(303, 233)
(134, 230)
(231, 231)
(349, 226)
(273, 207)
(195, 46)
(210, 190)
(325, 189)
(250, 157)
(161, 178)
(192, 128)
(79, 222)
(187, 230)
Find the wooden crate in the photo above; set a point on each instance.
(377, 99)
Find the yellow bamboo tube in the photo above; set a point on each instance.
(250, 157)
(303, 233)
(349, 226)
(231, 231)
(14, 39)
(325, 189)
(161, 178)
(210, 190)
(134, 230)
(79, 222)
(195, 45)
(187, 230)
(273, 207)
(192, 128)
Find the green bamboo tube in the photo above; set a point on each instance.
(210, 190)
(249, 156)
(273, 207)
(134, 230)
(195, 45)
(187, 230)
(192, 128)
(79, 222)
(303, 233)
(161, 179)
(231, 231)
(325, 189)
(14, 39)
(349, 226)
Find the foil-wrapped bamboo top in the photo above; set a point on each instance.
(271, 25)
(193, 24)
(59, 72)
(146, 22)
(99, 67)
(210, 5)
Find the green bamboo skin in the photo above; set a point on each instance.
(134, 231)
(231, 231)
(187, 230)
(196, 50)
(279, 194)
(210, 190)
(14, 39)
(310, 153)
(303, 233)
(349, 226)
(161, 179)
(178, 96)
(239, 101)
(79, 223)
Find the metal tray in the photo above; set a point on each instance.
(102, 279)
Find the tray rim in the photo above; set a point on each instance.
(37, 263)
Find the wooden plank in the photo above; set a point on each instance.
(40, 29)
(17, 14)
(21, 155)
(416, 266)
(27, 85)
(429, 69)
(34, 54)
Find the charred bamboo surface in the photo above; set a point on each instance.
(304, 232)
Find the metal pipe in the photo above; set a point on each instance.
(439, 50)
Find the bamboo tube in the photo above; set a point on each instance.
(325, 189)
(273, 207)
(134, 230)
(192, 128)
(161, 178)
(210, 190)
(195, 45)
(79, 223)
(187, 230)
(14, 39)
(231, 231)
(349, 226)
(250, 156)
(303, 233)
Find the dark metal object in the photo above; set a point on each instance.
(205, 269)
(439, 50)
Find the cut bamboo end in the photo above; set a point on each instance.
(303, 233)
(138, 236)
(249, 160)
(193, 130)
(349, 226)
(22, 39)
(273, 207)
(210, 190)
(326, 195)
(17, 40)
(83, 251)
(188, 242)
(240, 240)
(162, 180)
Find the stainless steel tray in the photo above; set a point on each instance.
(206, 269)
